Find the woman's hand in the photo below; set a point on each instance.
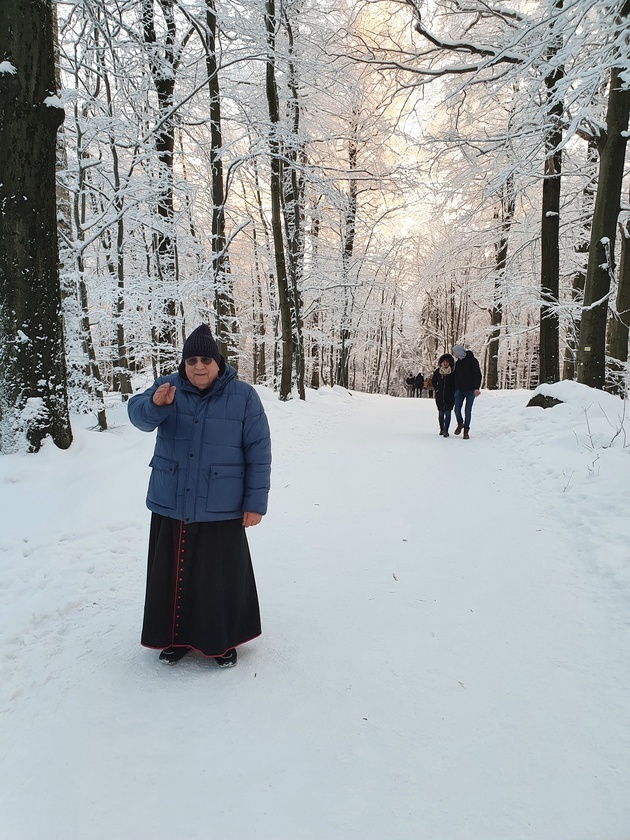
(250, 519)
(164, 395)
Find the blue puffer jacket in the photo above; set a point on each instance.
(212, 457)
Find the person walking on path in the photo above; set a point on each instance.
(467, 384)
(209, 481)
(444, 390)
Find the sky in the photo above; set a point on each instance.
(445, 648)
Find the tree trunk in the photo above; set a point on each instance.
(33, 390)
(293, 212)
(599, 273)
(350, 222)
(496, 313)
(315, 325)
(260, 359)
(227, 324)
(579, 278)
(91, 380)
(116, 258)
(549, 370)
(163, 66)
(620, 323)
(275, 150)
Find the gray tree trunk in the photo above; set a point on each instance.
(579, 278)
(350, 222)
(620, 323)
(227, 324)
(163, 65)
(496, 313)
(591, 359)
(275, 149)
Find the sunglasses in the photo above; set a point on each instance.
(192, 360)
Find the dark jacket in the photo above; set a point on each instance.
(444, 386)
(212, 457)
(467, 373)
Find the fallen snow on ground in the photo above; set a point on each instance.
(445, 648)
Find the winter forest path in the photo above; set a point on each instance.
(438, 660)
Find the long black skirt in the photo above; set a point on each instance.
(201, 591)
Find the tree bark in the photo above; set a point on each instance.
(591, 367)
(163, 66)
(293, 211)
(549, 370)
(227, 324)
(620, 323)
(579, 278)
(275, 149)
(116, 256)
(496, 313)
(350, 221)
(33, 389)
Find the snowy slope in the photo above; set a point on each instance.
(445, 650)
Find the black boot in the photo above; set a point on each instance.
(228, 660)
(171, 655)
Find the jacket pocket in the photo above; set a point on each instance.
(163, 482)
(226, 485)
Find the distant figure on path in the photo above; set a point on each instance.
(444, 389)
(209, 481)
(419, 384)
(467, 383)
(410, 385)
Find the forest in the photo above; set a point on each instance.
(341, 190)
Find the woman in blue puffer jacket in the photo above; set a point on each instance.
(209, 481)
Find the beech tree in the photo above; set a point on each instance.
(33, 396)
(611, 143)
(619, 325)
(276, 187)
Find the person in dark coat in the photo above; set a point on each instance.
(419, 384)
(467, 384)
(210, 476)
(410, 385)
(444, 390)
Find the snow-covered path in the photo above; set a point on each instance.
(442, 658)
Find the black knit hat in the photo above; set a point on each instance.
(201, 343)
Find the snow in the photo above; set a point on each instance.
(445, 649)
(53, 102)
(7, 67)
